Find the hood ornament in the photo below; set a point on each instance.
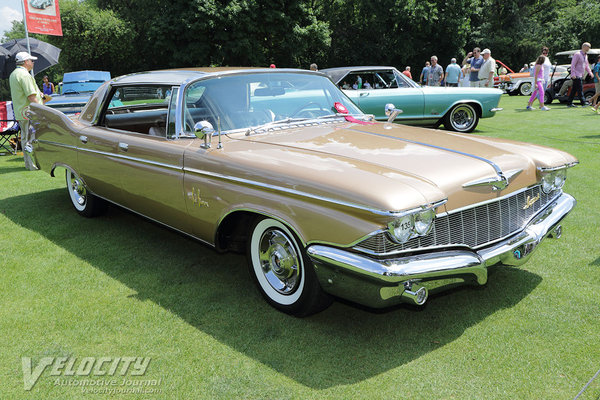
(498, 182)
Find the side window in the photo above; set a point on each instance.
(199, 106)
(139, 109)
(402, 81)
(360, 80)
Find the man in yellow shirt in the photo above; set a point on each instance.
(24, 91)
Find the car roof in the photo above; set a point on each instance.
(338, 73)
(180, 75)
(86, 76)
(571, 52)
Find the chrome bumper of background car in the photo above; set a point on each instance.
(384, 282)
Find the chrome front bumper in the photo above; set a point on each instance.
(383, 282)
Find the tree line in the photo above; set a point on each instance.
(123, 36)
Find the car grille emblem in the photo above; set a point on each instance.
(530, 201)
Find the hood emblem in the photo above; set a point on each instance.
(530, 201)
(498, 182)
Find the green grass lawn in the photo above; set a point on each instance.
(119, 286)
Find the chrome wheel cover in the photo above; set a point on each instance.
(462, 117)
(525, 89)
(279, 261)
(77, 191)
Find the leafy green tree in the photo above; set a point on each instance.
(394, 32)
(93, 39)
(180, 33)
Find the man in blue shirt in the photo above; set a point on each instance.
(424, 74)
(452, 74)
(475, 59)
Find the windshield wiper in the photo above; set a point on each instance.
(340, 115)
(288, 120)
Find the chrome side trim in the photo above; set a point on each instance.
(67, 146)
(136, 159)
(495, 166)
(302, 194)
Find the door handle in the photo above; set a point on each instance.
(364, 94)
(123, 146)
(83, 139)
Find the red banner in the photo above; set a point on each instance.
(43, 16)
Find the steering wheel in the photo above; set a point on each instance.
(303, 109)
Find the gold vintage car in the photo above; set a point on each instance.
(281, 164)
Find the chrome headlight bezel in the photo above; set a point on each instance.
(413, 223)
(553, 178)
(402, 229)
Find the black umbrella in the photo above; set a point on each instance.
(46, 53)
(4, 59)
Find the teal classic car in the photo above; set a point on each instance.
(372, 88)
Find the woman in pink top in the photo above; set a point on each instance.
(538, 76)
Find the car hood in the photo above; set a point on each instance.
(387, 167)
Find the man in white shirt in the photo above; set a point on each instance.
(486, 72)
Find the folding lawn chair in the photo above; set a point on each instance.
(9, 127)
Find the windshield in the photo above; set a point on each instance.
(250, 100)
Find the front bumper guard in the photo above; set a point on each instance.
(383, 282)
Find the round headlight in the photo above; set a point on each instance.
(548, 183)
(401, 229)
(424, 221)
(559, 178)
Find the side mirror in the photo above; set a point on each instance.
(392, 112)
(204, 130)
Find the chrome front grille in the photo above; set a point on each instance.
(473, 227)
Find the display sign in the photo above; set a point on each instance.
(43, 16)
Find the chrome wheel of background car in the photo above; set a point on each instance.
(282, 271)
(525, 89)
(461, 118)
(84, 202)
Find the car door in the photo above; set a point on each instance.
(152, 177)
(129, 158)
(98, 162)
(389, 86)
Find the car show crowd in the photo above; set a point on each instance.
(479, 69)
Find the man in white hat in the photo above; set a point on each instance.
(486, 72)
(24, 91)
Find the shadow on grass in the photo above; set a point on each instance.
(11, 169)
(14, 158)
(214, 294)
